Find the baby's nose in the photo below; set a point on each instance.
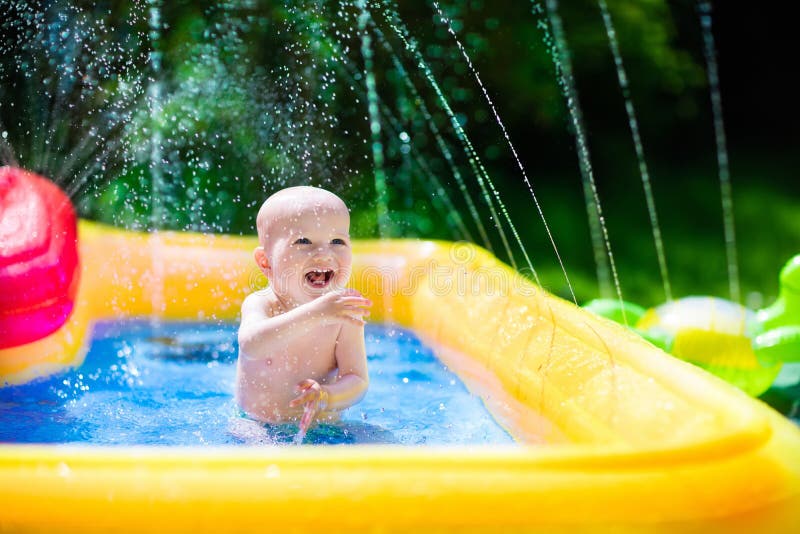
(323, 251)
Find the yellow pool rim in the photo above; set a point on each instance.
(615, 435)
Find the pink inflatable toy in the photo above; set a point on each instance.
(38, 257)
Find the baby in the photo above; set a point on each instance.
(301, 340)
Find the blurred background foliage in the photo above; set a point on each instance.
(195, 111)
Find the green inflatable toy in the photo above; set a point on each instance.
(743, 347)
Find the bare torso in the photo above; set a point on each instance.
(265, 383)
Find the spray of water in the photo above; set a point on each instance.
(633, 123)
(517, 159)
(709, 49)
(158, 213)
(71, 77)
(382, 193)
(481, 174)
(563, 64)
(394, 128)
(443, 148)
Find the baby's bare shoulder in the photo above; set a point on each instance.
(262, 303)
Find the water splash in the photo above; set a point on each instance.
(444, 149)
(563, 65)
(158, 213)
(481, 174)
(68, 89)
(438, 194)
(382, 194)
(516, 156)
(394, 129)
(633, 123)
(299, 437)
(233, 124)
(704, 10)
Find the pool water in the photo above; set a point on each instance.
(172, 384)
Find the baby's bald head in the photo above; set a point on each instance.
(293, 203)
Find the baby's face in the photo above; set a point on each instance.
(309, 253)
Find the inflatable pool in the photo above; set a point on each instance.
(614, 434)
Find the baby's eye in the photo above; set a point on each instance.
(303, 241)
(338, 241)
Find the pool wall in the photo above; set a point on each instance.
(615, 435)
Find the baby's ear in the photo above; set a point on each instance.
(261, 258)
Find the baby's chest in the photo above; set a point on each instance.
(313, 351)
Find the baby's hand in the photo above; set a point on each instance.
(314, 399)
(345, 305)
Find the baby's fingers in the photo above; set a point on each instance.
(350, 292)
(309, 391)
(356, 301)
(308, 415)
(300, 399)
(305, 384)
(353, 309)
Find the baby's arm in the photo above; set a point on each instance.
(352, 379)
(351, 383)
(262, 325)
(351, 359)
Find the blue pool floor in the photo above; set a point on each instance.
(172, 384)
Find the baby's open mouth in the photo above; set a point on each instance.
(319, 277)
